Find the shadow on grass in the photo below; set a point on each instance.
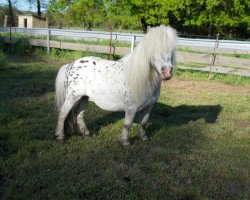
(162, 115)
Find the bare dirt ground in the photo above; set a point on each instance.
(201, 85)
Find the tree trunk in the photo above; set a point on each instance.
(144, 24)
(11, 13)
(39, 13)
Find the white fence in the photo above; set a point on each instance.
(129, 37)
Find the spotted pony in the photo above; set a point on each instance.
(131, 84)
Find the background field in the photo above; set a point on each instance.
(198, 148)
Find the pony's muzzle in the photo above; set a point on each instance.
(166, 73)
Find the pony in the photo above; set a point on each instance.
(131, 84)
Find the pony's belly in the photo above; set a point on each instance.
(108, 104)
(107, 98)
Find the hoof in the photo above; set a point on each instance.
(144, 138)
(124, 142)
(60, 138)
(85, 134)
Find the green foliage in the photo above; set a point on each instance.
(2, 44)
(206, 17)
(66, 54)
(119, 14)
(85, 13)
(3, 59)
(21, 47)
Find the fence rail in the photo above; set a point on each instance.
(129, 37)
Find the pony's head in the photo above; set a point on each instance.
(164, 65)
(151, 61)
(163, 52)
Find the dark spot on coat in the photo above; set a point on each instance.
(83, 61)
(94, 63)
(72, 65)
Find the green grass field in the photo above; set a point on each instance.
(198, 149)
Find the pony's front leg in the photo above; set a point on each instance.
(128, 122)
(143, 117)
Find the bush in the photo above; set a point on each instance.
(2, 45)
(21, 47)
(3, 59)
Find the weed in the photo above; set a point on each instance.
(3, 59)
(21, 47)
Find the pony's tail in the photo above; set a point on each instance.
(60, 87)
(60, 90)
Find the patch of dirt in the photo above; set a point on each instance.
(211, 86)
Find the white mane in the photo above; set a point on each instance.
(141, 77)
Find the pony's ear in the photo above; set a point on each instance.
(148, 28)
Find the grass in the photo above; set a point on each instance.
(222, 78)
(95, 41)
(198, 146)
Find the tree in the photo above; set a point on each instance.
(118, 13)
(203, 17)
(81, 12)
(39, 13)
(150, 13)
(209, 16)
(12, 22)
(39, 4)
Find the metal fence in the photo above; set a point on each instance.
(129, 37)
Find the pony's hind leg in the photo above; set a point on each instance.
(63, 113)
(143, 117)
(81, 108)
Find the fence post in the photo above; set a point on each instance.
(110, 44)
(132, 43)
(10, 35)
(214, 55)
(48, 41)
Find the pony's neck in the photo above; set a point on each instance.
(141, 77)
